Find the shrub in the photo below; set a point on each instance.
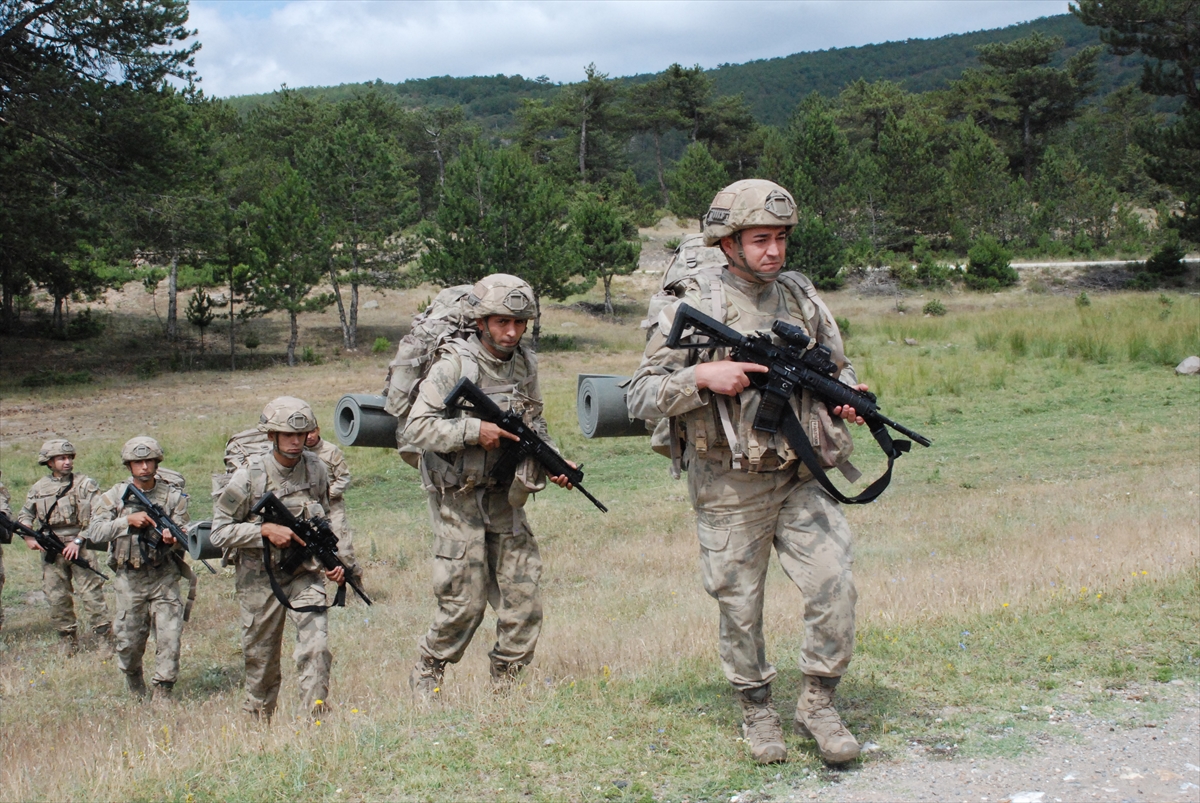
(309, 356)
(557, 343)
(42, 379)
(1167, 261)
(84, 325)
(1082, 299)
(819, 253)
(671, 244)
(934, 307)
(252, 342)
(381, 345)
(843, 325)
(989, 265)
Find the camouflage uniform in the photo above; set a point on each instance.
(304, 489)
(339, 481)
(146, 582)
(484, 551)
(7, 511)
(60, 579)
(755, 494)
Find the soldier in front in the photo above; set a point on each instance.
(748, 488)
(147, 578)
(484, 551)
(63, 501)
(299, 479)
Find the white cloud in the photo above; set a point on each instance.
(256, 46)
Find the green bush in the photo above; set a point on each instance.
(989, 265)
(818, 253)
(252, 342)
(381, 345)
(843, 325)
(43, 379)
(309, 356)
(548, 343)
(84, 325)
(1167, 261)
(1082, 299)
(934, 307)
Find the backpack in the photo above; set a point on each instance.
(238, 450)
(692, 260)
(443, 321)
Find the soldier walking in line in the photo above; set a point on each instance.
(484, 552)
(748, 487)
(299, 479)
(63, 501)
(147, 578)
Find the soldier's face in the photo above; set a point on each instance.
(288, 444)
(761, 255)
(313, 438)
(503, 333)
(62, 464)
(143, 470)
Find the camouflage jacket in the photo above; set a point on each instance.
(72, 512)
(110, 524)
(335, 463)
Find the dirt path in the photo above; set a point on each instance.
(1126, 754)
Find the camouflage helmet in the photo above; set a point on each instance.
(746, 204)
(55, 448)
(500, 294)
(287, 414)
(142, 447)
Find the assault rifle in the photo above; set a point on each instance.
(320, 542)
(151, 537)
(51, 546)
(799, 363)
(467, 396)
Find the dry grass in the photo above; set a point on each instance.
(1033, 491)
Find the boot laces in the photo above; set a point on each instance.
(762, 723)
(821, 711)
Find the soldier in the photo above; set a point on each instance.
(63, 501)
(748, 488)
(7, 511)
(339, 476)
(147, 579)
(299, 479)
(484, 551)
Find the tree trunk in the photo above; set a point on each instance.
(173, 297)
(583, 150)
(537, 320)
(292, 338)
(232, 318)
(353, 315)
(662, 179)
(6, 311)
(337, 295)
(1027, 147)
(56, 320)
(608, 307)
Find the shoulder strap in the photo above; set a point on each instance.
(798, 440)
(58, 498)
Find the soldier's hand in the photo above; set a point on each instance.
(168, 539)
(847, 412)
(490, 435)
(140, 519)
(33, 544)
(279, 535)
(71, 551)
(561, 480)
(337, 575)
(726, 377)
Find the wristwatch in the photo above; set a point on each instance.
(78, 542)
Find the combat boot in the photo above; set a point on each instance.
(68, 643)
(504, 674)
(164, 694)
(426, 677)
(761, 726)
(816, 718)
(135, 683)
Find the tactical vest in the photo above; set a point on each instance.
(126, 550)
(66, 514)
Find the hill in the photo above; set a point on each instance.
(772, 87)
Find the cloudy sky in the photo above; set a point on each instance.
(257, 45)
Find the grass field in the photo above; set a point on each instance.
(1049, 540)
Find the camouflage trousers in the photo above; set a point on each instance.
(337, 515)
(61, 580)
(484, 553)
(262, 634)
(739, 517)
(148, 599)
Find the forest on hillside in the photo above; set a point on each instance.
(110, 172)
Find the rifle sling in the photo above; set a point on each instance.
(797, 438)
(339, 599)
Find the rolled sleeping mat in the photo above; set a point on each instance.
(198, 544)
(600, 406)
(360, 420)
